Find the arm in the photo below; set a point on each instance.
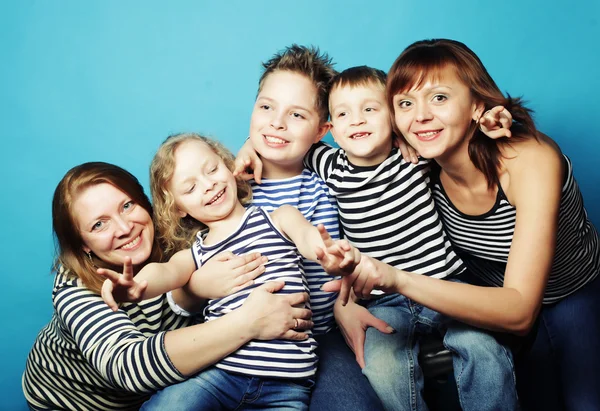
(151, 281)
(127, 358)
(336, 257)
(535, 172)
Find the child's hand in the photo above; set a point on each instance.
(337, 257)
(121, 287)
(248, 164)
(408, 152)
(225, 274)
(495, 123)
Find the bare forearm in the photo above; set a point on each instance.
(160, 279)
(194, 348)
(492, 308)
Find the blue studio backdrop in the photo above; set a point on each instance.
(109, 80)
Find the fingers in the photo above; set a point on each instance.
(111, 275)
(295, 299)
(304, 325)
(294, 335)
(106, 293)
(496, 122)
(409, 154)
(346, 286)
(359, 349)
(327, 240)
(332, 286)
(273, 286)
(371, 321)
(225, 256)
(128, 269)
(258, 167)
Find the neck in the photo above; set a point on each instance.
(458, 167)
(280, 171)
(220, 229)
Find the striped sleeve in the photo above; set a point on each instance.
(321, 159)
(113, 344)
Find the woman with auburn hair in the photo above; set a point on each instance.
(514, 214)
(91, 357)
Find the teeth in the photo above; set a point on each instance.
(359, 135)
(132, 243)
(275, 140)
(215, 198)
(427, 134)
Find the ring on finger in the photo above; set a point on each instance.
(295, 323)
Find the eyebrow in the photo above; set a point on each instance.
(295, 106)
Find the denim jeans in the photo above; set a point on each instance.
(562, 369)
(483, 368)
(215, 389)
(340, 384)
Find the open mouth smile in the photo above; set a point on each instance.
(216, 198)
(132, 244)
(359, 136)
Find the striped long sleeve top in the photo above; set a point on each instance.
(91, 358)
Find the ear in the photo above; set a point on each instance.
(478, 109)
(323, 129)
(86, 249)
(181, 214)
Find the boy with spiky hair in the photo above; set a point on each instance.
(290, 115)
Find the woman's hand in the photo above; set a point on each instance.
(369, 274)
(495, 123)
(248, 164)
(353, 320)
(409, 154)
(121, 287)
(276, 316)
(225, 274)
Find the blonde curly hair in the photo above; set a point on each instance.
(174, 232)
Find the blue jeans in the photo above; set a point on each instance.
(562, 369)
(483, 368)
(215, 389)
(340, 384)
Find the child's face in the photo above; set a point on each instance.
(361, 123)
(202, 185)
(435, 118)
(285, 123)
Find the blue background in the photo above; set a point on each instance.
(92, 80)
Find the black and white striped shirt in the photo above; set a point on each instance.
(274, 358)
(484, 241)
(91, 358)
(387, 211)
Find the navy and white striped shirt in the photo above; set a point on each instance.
(484, 241)
(91, 358)
(275, 358)
(387, 211)
(309, 194)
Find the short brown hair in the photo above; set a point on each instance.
(69, 243)
(176, 233)
(427, 59)
(359, 76)
(308, 62)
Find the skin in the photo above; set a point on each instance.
(360, 123)
(433, 119)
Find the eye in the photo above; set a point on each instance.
(404, 104)
(440, 98)
(191, 189)
(213, 169)
(97, 225)
(342, 114)
(297, 115)
(128, 205)
(265, 107)
(369, 109)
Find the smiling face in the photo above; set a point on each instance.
(285, 123)
(435, 117)
(112, 225)
(202, 185)
(361, 123)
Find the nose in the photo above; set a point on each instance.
(123, 226)
(208, 184)
(423, 113)
(357, 119)
(278, 120)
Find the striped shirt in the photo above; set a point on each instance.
(275, 358)
(91, 358)
(309, 194)
(484, 241)
(387, 211)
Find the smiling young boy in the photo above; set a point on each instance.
(290, 115)
(387, 211)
